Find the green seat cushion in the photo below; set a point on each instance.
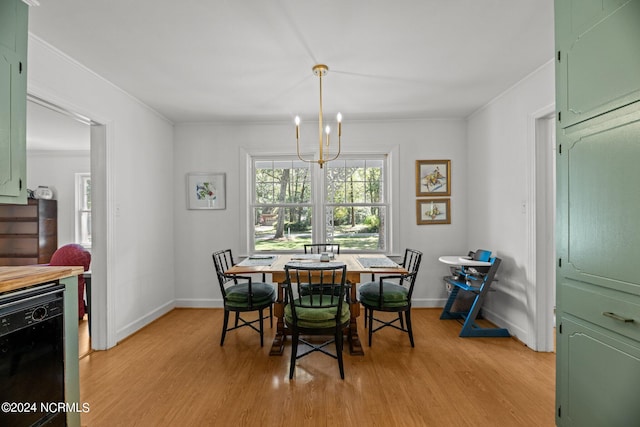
(393, 295)
(316, 317)
(238, 295)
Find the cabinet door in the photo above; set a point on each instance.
(597, 57)
(599, 383)
(598, 198)
(13, 92)
(598, 368)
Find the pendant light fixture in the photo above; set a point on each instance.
(320, 70)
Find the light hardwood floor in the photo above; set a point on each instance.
(174, 373)
(84, 341)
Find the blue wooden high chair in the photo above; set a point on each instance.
(477, 280)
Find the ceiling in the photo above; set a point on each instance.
(219, 60)
(48, 129)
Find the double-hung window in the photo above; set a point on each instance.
(83, 209)
(294, 202)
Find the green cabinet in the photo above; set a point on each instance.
(614, 401)
(598, 197)
(598, 68)
(13, 100)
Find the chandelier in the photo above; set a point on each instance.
(320, 70)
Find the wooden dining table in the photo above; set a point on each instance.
(357, 265)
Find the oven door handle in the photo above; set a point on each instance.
(21, 301)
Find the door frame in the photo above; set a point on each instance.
(103, 327)
(541, 226)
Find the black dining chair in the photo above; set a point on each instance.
(318, 248)
(392, 293)
(324, 311)
(241, 294)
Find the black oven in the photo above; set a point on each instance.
(32, 356)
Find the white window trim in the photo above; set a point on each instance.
(393, 176)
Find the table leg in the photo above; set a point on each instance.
(277, 347)
(355, 346)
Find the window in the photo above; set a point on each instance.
(282, 206)
(83, 209)
(294, 203)
(355, 209)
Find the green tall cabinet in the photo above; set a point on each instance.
(13, 100)
(598, 225)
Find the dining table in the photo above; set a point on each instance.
(357, 265)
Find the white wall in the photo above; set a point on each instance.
(220, 148)
(139, 183)
(499, 186)
(57, 169)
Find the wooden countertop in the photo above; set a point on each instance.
(13, 278)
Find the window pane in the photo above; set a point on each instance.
(85, 228)
(282, 228)
(83, 212)
(356, 228)
(282, 182)
(355, 181)
(86, 193)
(264, 193)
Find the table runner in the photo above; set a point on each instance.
(376, 262)
(258, 260)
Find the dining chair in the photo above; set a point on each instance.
(318, 248)
(392, 293)
(75, 254)
(241, 294)
(324, 311)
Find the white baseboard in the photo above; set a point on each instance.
(198, 303)
(428, 302)
(143, 321)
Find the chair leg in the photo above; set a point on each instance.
(370, 325)
(401, 319)
(294, 353)
(224, 326)
(271, 316)
(409, 329)
(261, 328)
(237, 318)
(339, 345)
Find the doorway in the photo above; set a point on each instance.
(58, 151)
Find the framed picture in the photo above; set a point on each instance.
(206, 191)
(432, 178)
(433, 211)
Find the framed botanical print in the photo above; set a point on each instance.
(433, 211)
(206, 191)
(433, 178)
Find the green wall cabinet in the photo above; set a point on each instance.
(596, 54)
(13, 100)
(598, 197)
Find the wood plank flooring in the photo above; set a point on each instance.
(174, 373)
